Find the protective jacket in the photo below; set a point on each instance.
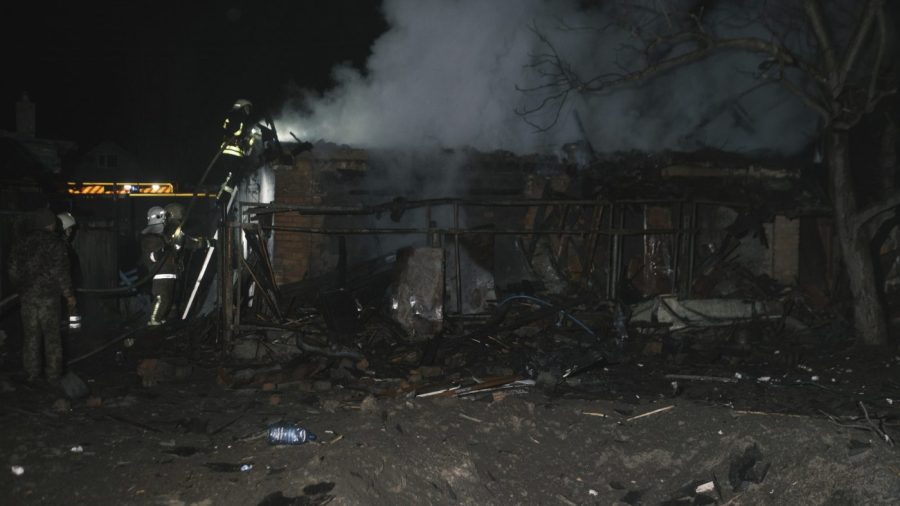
(180, 241)
(39, 266)
(156, 253)
(160, 257)
(240, 134)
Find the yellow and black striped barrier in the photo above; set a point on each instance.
(156, 189)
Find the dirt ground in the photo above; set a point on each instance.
(767, 433)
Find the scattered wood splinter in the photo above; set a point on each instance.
(655, 411)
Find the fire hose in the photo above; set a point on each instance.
(7, 300)
(102, 347)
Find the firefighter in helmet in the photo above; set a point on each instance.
(160, 260)
(246, 133)
(179, 241)
(240, 137)
(175, 235)
(67, 227)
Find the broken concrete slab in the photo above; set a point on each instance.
(683, 313)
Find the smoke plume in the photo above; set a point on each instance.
(448, 74)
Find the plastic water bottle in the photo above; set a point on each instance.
(288, 434)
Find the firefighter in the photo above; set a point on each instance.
(39, 266)
(240, 137)
(178, 242)
(247, 134)
(68, 227)
(175, 233)
(159, 259)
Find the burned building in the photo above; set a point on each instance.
(624, 228)
(462, 252)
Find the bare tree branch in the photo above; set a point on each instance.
(807, 100)
(858, 113)
(559, 98)
(860, 34)
(707, 48)
(879, 57)
(834, 99)
(722, 106)
(817, 20)
(875, 209)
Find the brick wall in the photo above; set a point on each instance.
(316, 178)
(296, 185)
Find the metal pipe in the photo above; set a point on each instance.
(459, 306)
(692, 245)
(116, 230)
(676, 246)
(227, 281)
(562, 237)
(428, 237)
(619, 245)
(483, 231)
(238, 286)
(256, 208)
(610, 263)
(594, 240)
(239, 289)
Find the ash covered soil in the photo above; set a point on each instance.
(181, 442)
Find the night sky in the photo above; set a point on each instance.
(157, 77)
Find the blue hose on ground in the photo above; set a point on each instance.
(549, 305)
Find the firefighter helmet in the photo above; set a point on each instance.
(175, 212)
(242, 104)
(66, 220)
(156, 216)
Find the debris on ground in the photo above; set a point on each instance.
(644, 398)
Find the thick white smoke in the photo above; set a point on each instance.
(446, 72)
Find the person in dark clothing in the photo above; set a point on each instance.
(67, 227)
(249, 138)
(159, 260)
(240, 137)
(180, 242)
(39, 266)
(174, 231)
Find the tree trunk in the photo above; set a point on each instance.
(888, 158)
(868, 313)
